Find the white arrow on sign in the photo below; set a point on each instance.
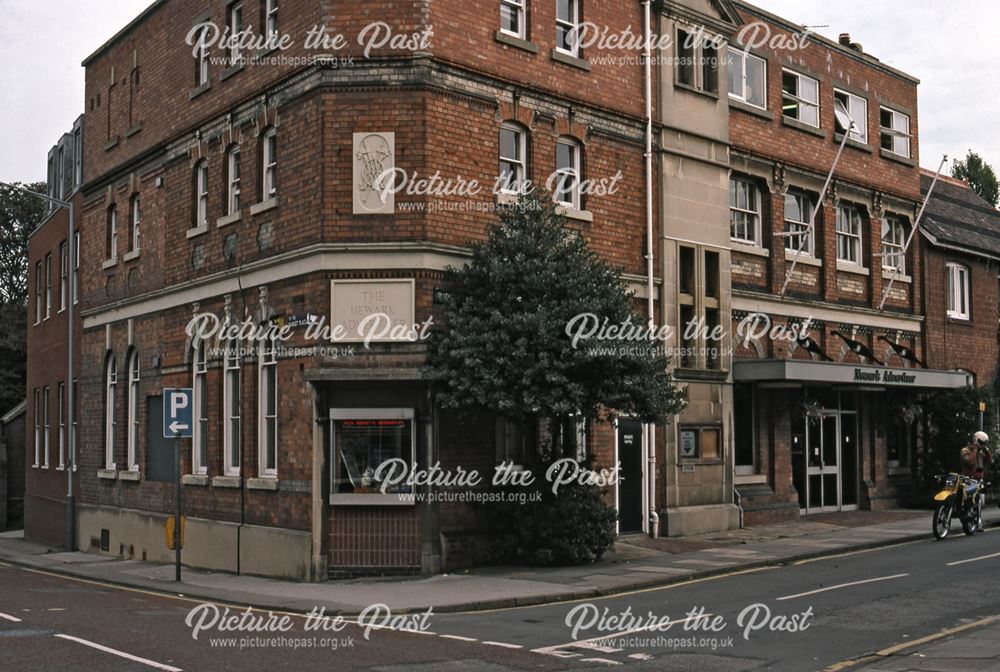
(177, 426)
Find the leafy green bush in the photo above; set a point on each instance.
(574, 527)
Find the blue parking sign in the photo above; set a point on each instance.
(178, 412)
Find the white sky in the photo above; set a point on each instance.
(951, 47)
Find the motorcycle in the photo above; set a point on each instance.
(961, 497)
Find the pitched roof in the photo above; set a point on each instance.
(956, 216)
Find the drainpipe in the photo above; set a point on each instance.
(654, 519)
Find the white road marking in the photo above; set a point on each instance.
(504, 645)
(120, 654)
(842, 585)
(600, 660)
(56, 609)
(459, 638)
(582, 643)
(8, 617)
(640, 656)
(981, 557)
(4, 564)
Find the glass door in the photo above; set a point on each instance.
(823, 489)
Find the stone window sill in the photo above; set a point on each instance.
(226, 482)
(372, 499)
(737, 104)
(749, 249)
(854, 144)
(900, 277)
(107, 474)
(132, 131)
(694, 89)
(264, 206)
(750, 479)
(110, 263)
(131, 475)
(197, 231)
(806, 259)
(263, 483)
(570, 212)
(230, 71)
(194, 479)
(227, 220)
(503, 198)
(898, 158)
(802, 126)
(111, 144)
(134, 254)
(194, 93)
(956, 319)
(570, 60)
(514, 41)
(848, 267)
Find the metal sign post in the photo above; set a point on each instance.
(177, 423)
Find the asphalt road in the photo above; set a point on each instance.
(806, 616)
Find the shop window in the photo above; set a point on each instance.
(744, 430)
(364, 439)
(901, 442)
(700, 444)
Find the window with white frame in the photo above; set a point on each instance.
(958, 291)
(798, 212)
(199, 437)
(568, 173)
(747, 78)
(235, 25)
(76, 268)
(271, 22)
(267, 413)
(38, 292)
(112, 237)
(512, 18)
(136, 220)
(744, 211)
(893, 244)
(201, 194)
(38, 428)
(849, 235)
(857, 107)
(269, 164)
(48, 285)
(63, 276)
(231, 415)
(110, 417)
(61, 407)
(513, 166)
(800, 97)
(233, 181)
(201, 64)
(45, 435)
(568, 27)
(133, 411)
(894, 132)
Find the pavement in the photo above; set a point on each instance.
(976, 648)
(636, 563)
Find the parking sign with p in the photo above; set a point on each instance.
(177, 412)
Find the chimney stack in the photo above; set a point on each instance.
(845, 39)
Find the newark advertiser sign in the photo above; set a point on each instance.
(802, 371)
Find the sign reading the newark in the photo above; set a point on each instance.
(374, 158)
(366, 307)
(177, 412)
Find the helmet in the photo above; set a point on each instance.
(981, 438)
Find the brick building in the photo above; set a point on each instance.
(828, 322)
(243, 189)
(50, 272)
(961, 250)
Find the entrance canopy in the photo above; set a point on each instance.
(861, 375)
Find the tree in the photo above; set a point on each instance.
(980, 176)
(506, 347)
(20, 213)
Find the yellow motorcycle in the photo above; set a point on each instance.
(962, 497)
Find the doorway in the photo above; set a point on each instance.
(630, 477)
(827, 477)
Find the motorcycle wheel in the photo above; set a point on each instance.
(942, 520)
(970, 524)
